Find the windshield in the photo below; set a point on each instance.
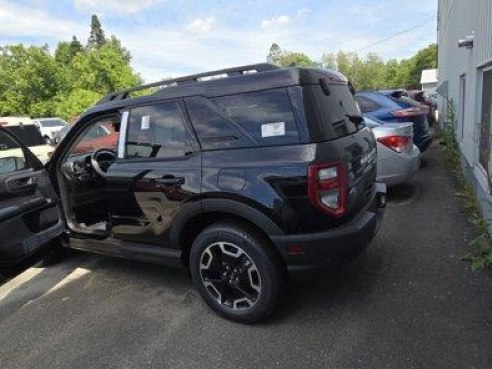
(53, 123)
(28, 134)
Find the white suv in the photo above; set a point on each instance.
(49, 127)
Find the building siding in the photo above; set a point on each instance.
(457, 19)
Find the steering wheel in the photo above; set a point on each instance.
(101, 160)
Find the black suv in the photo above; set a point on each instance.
(241, 175)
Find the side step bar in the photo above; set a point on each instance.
(128, 250)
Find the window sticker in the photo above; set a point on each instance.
(273, 129)
(145, 122)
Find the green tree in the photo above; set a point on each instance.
(424, 59)
(295, 59)
(37, 83)
(30, 79)
(274, 54)
(96, 37)
(75, 46)
(116, 44)
(75, 102)
(102, 70)
(66, 51)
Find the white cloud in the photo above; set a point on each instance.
(21, 21)
(201, 25)
(303, 13)
(274, 22)
(113, 6)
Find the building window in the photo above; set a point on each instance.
(462, 105)
(485, 120)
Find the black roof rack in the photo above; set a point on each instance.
(187, 80)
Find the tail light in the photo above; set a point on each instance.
(397, 143)
(327, 188)
(410, 112)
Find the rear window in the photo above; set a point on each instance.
(28, 134)
(52, 123)
(331, 116)
(261, 118)
(367, 105)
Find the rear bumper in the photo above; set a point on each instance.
(337, 246)
(395, 168)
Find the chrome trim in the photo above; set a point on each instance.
(122, 137)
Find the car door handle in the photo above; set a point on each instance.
(166, 181)
(15, 185)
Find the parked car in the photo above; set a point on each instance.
(241, 179)
(384, 106)
(26, 130)
(398, 157)
(423, 99)
(49, 127)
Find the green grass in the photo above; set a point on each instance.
(480, 248)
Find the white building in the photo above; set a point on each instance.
(428, 80)
(465, 77)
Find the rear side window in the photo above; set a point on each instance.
(157, 131)
(266, 116)
(261, 118)
(214, 128)
(367, 105)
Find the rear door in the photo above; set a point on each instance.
(29, 213)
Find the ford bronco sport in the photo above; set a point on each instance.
(241, 175)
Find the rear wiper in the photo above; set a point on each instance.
(356, 119)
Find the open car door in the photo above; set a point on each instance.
(30, 215)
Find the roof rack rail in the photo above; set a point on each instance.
(187, 80)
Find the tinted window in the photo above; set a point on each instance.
(156, 132)
(11, 155)
(366, 105)
(264, 116)
(331, 116)
(28, 134)
(214, 128)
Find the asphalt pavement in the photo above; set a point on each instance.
(408, 302)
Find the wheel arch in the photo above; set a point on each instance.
(212, 211)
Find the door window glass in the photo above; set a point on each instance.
(102, 134)
(157, 131)
(11, 155)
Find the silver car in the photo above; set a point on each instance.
(398, 157)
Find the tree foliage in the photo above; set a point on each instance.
(286, 58)
(96, 37)
(38, 83)
(365, 72)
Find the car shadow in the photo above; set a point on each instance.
(321, 292)
(314, 293)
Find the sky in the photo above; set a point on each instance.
(173, 38)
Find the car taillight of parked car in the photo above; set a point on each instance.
(411, 112)
(327, 188)
(397, 143)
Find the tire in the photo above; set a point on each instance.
(248, 260)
